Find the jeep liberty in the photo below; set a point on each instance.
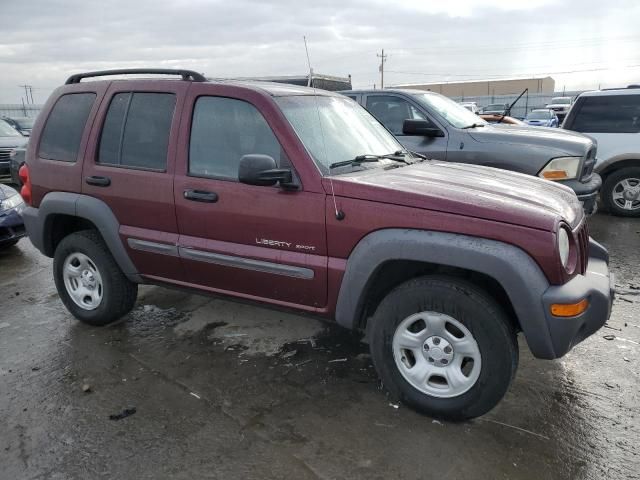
(298, 198)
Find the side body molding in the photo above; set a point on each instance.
(38, 222)
(510, 266)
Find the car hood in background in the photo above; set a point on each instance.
(6, 192)
(12, 142)
(570, 143)
(467, 190)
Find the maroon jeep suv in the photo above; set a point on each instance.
(300, 199)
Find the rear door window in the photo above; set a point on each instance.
(63, 131)
(136, 130)
(608, 114)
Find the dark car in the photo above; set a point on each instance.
(11, 224)
(299, 199)
(21, 124)
(437, 127)
(496, 109)
(16, 160)
(10, 139)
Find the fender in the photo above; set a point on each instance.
(517, 273)
(38, 221)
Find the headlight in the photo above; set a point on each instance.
(563, 246)
(11, 202)
(561, 168)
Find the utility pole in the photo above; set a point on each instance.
(383, 58)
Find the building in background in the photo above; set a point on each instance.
(489, 88)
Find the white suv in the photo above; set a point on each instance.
(612, 118)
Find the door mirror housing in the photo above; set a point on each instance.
(261, 170)
(420, 127)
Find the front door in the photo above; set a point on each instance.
(393, 110)
(252, 241)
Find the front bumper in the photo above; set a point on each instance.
(587, 192)
(596, 285)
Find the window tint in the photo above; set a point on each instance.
(64, 128)
(392, 112)
(223, 131)
(608, 114)
(136, 130)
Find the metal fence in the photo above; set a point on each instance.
(527, 103)
(17, 110)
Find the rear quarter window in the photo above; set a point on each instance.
(63, 130)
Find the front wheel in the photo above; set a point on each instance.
(443, 347)
(621, 192)
(89, 281)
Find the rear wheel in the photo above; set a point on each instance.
(621, 192)
(443, 347)
(89, 281)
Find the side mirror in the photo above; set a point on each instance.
(261, 170)
(420, 127)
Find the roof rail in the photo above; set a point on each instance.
(185, 74)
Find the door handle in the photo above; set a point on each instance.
(201, 196)
(98, 181)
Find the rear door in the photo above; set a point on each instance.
(130, 166)
(251, 241)
(393, 110)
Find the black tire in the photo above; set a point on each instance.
(119, 293)
(608, 190)
(479, 313)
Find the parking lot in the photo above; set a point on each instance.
(228, 390)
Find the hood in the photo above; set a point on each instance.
(566, 142)
(467, 190)
(6, 192)
(12, 142)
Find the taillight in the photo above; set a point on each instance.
(25, 191)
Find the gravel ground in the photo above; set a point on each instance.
(225, 390)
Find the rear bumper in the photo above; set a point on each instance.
(596, 285)
(587, 192)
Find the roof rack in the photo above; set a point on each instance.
(188, 75)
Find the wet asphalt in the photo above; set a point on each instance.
(229, 391)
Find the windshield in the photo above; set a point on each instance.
(539, 115)
(7, 130)
(336, 129)
(452, 112)
(25, 122)
(561, 101)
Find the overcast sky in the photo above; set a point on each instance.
(44, 41)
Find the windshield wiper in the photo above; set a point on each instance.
(473, 125)
(396, 157)
(356, 161)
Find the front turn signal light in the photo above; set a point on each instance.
(569, 309)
